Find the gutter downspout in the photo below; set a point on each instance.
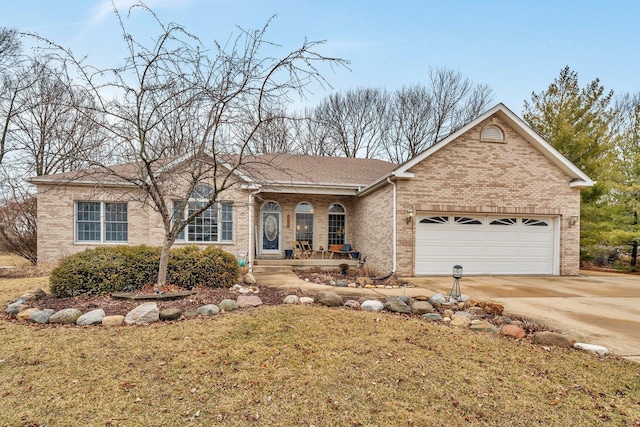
(250, 249)
(395, 224)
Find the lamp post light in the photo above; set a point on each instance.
(455, 289)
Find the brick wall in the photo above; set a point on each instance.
(468, 175)
(374, 228)
(56, 219)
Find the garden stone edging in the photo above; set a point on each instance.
(466, 313)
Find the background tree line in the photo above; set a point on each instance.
(52, 122)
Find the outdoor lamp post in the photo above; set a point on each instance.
(455, 289)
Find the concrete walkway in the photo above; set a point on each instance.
(605, 308)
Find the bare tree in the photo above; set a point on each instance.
(18, 232)
(275, 136)
(46, 132)
(311, 136)
(422, 115)
(357, 121)
(9, 47)
(183, 116)
(456, 101)
(9, 51)
(412, 123)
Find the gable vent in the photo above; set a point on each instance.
(492, 132)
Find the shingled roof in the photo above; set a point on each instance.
(270, 169)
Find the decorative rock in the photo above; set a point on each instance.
(330, 299)
(341, 284)
(42, 316)
(513, 331)
(494, 309)
(28, 297)
(68, 316)
(249, 279)
(463, 298)
(447, 313)
(462, 322)
(372, 305)
(598, 349)
(463, 314)
(476, 311)
(16, 307)
(170, 313)
(574, 336)
(332, 282)
(352, 304)
(551, 338)
(432, 316)
(249, 301)
(397, 305)
(191, 313)
(115, 320)
(243, 290)
(39, 293)
(421, 307)
(209, 310)
(306, 300)
(93, 317)
(404, 298)
(352, 285)
(437, 298)
(483, 326)
(420, 298)
(228, 305)
(143, 314)
(25, 315)
(291, 299)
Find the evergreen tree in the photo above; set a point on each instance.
(578, 122)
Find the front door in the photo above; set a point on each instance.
(271, 228)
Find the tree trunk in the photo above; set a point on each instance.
(634, 254)
(164, 263)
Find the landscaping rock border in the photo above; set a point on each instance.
(463, 312)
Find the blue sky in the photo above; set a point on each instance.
(515, 47)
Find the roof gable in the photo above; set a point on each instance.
(579, 178)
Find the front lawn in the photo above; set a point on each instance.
(298, 365)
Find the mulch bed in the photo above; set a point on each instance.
(203, 296)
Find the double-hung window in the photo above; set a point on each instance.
(214, 224)
(101, 222)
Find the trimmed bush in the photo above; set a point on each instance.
(115, 268)
(190, 266)
(105, 269)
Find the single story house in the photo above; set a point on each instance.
(492, 196)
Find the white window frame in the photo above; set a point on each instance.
(221, 209)
(102, 223)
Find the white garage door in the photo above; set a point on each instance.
(485, 244)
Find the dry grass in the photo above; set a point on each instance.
(294, 365)
(9, 260)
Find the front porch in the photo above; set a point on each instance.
(270, 264)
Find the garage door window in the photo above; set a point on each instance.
(467, 221)
(435, 220)
(504, 221)
(534, 222)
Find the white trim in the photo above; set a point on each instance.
(395, 225)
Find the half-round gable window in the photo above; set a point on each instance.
(492, 133)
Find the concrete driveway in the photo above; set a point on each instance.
(605, 308)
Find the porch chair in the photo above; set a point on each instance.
(307, 251)
(297, 250)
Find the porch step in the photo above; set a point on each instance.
(282, 265)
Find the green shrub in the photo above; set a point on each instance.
(189, 266)
(105, 269)
(115, 268)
